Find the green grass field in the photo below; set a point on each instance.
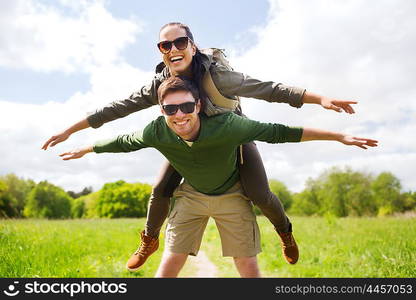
(329, 247)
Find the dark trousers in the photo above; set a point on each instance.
(253, 179)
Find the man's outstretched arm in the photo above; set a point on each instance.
(77, 153)
(121, 143)
(312, 134)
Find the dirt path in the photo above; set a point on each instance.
(202, 266)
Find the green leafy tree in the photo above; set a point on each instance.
(91, 202)
(19, 189)
(121, 199)
(346, 192)
(386, 189)
(78, 208)
(307, 202)
(409, 200)
(281, 191)
(336, 192)
(8, 207)
(48, 201)
(84, 192)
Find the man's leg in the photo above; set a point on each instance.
(184, 230)
(238, 229)
(247, 266)
(171, 264)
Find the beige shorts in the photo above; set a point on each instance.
(233, 215)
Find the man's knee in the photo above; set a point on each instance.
(171, 264)
(247, 266)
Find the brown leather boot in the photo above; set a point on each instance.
(289, 247)
(148, 245)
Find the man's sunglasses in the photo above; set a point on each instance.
(180, 43)
(186, 108)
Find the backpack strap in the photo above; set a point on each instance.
(215, 96)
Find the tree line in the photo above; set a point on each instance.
(337, 192)
(21, 198)
(345, 192)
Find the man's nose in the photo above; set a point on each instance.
(179, 113)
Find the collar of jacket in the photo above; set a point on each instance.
(207, 60)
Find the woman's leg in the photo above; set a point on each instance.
(256, 186)
(158, 207)
(157, 212)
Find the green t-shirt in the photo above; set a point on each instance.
(210, 164)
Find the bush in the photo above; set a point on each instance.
(91, 201)
(7, 202)
(305, 203)
(386, 189)
(280, 190)
(48, 201)
(18, 189)
(121, 199)
(78, 208)
(337, 192)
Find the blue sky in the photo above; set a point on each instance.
(62, 59)
(223, 28)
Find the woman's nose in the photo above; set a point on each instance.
(174, 47)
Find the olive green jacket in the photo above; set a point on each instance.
(229, 84)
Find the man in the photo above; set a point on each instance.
(203, 151)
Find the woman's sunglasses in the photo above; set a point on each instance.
(180, 43)
(186, 108)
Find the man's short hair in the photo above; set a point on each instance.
(174, 84)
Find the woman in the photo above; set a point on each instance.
(182, 57)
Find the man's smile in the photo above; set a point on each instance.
(181, 122)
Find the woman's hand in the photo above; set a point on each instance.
(64, 135)
(56, 139)
(338, 105)
(329, 103)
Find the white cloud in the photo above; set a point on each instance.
(349, 50)
(45, 38)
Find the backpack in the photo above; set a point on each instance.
(218, 104)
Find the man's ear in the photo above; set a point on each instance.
(198, 106)
(161, 109)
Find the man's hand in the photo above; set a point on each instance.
(56, 139)
(338, 105)
(359, 142)
(77, 153)
(314, 134)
